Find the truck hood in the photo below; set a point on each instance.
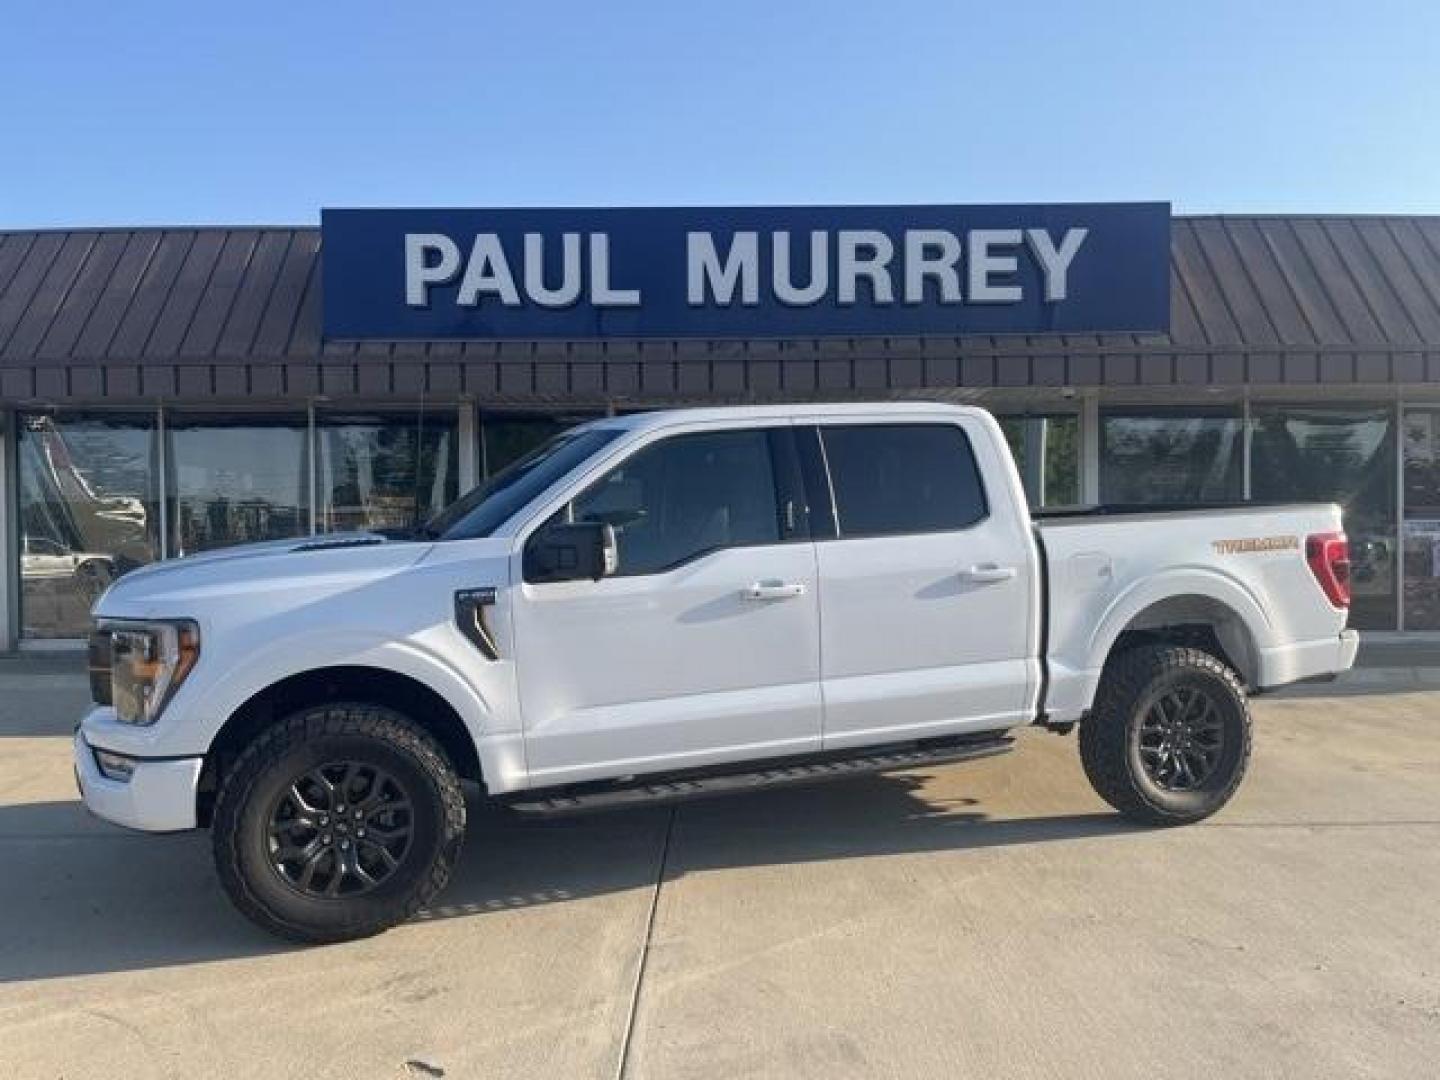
(303, 569)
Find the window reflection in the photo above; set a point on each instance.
(88, 510)
(1056, 441)
(684, 496)
(1422, 519)
(510, 436)
(1168, 457)
(236, 480)
(385, 472)
(87, 514)
(1343, 455)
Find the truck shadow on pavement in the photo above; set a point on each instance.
(80, 897)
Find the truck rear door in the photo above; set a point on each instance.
(928, 582)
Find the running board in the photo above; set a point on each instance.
(781, 774)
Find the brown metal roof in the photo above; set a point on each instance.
(115, 314)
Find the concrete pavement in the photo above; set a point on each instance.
(991, 919)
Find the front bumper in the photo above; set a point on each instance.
(158, 797)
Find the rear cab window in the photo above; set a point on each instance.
(899, 479)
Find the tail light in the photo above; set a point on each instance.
(1329, 557)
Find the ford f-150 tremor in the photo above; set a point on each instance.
(676, 604)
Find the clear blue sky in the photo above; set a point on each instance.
(258, 112)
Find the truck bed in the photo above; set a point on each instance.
(1241, 566)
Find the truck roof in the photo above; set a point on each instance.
(660, 417)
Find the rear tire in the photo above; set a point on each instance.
(337, 823)
(1168, 739)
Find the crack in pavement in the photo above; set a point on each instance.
(623, 1061)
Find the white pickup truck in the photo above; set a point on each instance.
(678, 604)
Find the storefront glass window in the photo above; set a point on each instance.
(87, 514)
(1343, 455)
(1055, 477)
(385, 471)
(1165, 456)
(510, 436)
(1422, 519)
(235, 480)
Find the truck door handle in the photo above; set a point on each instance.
(988, 572)
(773, 590)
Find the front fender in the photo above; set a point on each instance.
(224, 681)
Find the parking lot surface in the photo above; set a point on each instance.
(985, 920)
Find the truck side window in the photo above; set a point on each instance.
(685, 496)
(891, 479)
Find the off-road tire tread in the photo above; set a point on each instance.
(337, 719)
(1104, 733)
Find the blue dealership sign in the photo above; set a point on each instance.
(752, 272)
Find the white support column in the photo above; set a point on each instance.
(1399, 512)
(162, 480)
(312, 446)
(1090, 449)
(9, 536)
(1246, 442)
(469, 448)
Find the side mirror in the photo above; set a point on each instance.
(578, 551)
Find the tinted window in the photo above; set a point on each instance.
(384, 472)
(682, 497)
(1167, 457)
(484, 509)
(236, 481)
(1345, 455)
(506, 437)
(903, 478)
(88, 511)
(1047, 453)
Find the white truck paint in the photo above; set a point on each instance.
(812, 643)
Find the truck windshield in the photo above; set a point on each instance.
(482, 510)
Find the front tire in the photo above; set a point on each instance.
(1168, 739)
(337, 822)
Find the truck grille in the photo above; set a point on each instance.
(99, 663)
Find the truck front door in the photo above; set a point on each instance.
(704, 645)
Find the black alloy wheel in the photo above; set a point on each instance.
(340, 829)
(1181, 739)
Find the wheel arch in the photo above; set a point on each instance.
(1196, 620)
(1188, 606)
(355, 682)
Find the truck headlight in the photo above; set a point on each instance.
(148, 662)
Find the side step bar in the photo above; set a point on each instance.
(783, 773)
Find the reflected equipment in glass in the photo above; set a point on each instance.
(1171, 456)
(87, 513)
(236, 480)
(385, 471)
(1337, 454)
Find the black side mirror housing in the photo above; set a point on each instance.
(573, 551)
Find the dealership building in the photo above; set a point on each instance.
(165, 391)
